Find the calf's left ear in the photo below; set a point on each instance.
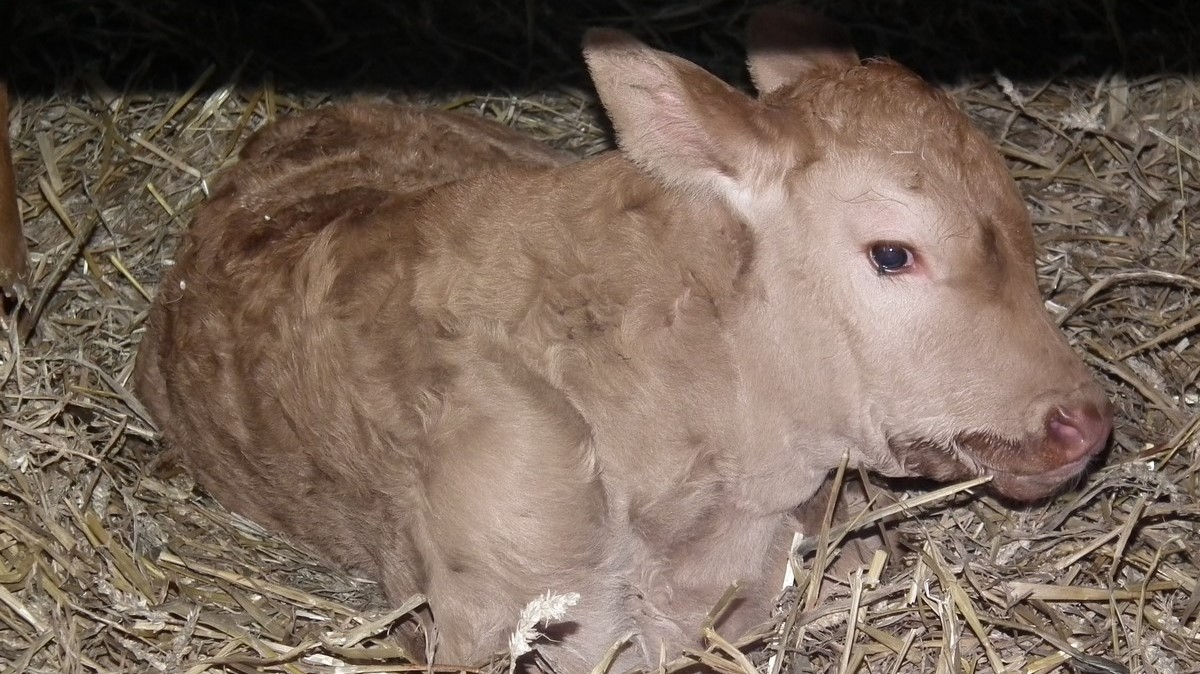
(672, 118)
(785, 44)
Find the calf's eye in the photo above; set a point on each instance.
(891, 258)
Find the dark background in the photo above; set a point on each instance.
(520, 45)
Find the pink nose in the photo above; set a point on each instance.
(1073, 433)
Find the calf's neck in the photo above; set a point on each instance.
(466, 365)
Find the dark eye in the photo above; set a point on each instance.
(890, 258)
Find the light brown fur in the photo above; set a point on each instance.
(467, 366)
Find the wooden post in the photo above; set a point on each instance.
(14, 257)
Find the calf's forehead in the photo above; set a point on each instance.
(891, 135)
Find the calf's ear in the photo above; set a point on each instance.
(672, 118)
(787, 43)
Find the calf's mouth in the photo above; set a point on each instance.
(1023, 469)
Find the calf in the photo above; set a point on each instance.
(457, 361)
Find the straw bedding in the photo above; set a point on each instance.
(111, 560)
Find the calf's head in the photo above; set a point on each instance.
(893, 255)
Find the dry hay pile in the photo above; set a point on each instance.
(112, 562)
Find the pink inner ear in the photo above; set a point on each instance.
(787, 43)
(682, 134)
(672, 118)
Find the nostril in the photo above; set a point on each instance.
(1062, 431)
(1077, 432)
